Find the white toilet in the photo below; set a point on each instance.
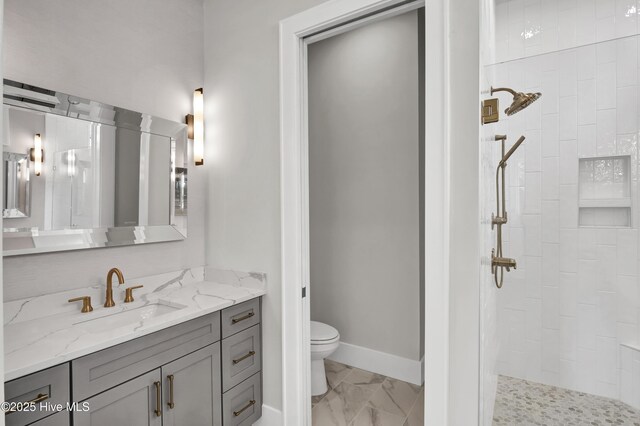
(324, 341)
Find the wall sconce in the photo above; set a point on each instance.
(195, 124)
(37, 154)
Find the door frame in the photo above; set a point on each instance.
(296, 397)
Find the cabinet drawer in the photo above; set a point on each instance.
(48, 386)
(242, 405)
(240, 317)
(59, 419)
(241, 357)
(107, 368)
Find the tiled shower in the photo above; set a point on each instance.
(569, 315)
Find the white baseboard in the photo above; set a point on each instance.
(383, 363)
(270, 417)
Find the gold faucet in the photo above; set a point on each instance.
(109, 300)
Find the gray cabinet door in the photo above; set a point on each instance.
(191, 386)
(133, 403)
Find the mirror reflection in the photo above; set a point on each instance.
(94, 176)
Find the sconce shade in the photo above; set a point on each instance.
(37, 154)
(198, 127)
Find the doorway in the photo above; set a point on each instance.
(296, 32)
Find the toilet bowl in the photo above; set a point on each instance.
(324, 341)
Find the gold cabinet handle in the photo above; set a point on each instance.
(41, 397)
(240, 411)
(237, 320)
(158, 410)
(86, 303)
(242, 358)
(128, 298)
(170, 403)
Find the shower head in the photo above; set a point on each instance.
(509, 153)
(520, 100)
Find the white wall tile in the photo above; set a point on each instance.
(568, 338)
(626, 18)
(568, 206)
(533, 155)
(568, 118)
(568, 286)
(626, 110)
(626, 62)
(607, 357)
(587, 281)
(606, 132)
(550, 350)
(587, 146)
(587, 102)
(587, 322)
(532, 234)
(606, 85)
(568, 250)
(532, 193)
(549, 88)
(533, 319)
(586, 62)
(569, 161)
(627, 296)
(607, 306)
(533, 280)
(587, 244)
(567, 74)
(550, 264)
(550, 307)
(550, 178)
(549, 135)
(551, 221)
(607, 268)
(627, 252)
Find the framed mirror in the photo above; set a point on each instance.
(82, 174)
(16, 186)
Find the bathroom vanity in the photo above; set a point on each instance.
(195, 360)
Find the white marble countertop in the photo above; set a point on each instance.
(45, 331)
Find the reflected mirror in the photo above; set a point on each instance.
(108, 176)
(16, 186)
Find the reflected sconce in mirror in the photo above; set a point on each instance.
(195, 124)
(37, 154)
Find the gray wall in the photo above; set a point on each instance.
(243, 152)
(145, 56)
(364, 178)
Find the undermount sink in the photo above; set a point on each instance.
(127, 317)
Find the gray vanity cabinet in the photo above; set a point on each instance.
(192, 389)
(203, 372)
(137, 402)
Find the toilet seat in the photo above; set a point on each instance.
(323, 334)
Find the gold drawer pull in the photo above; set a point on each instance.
(158, 410)
(242, 358)
(237, 320)
(237, 413)
(170, 403)
(41, 397)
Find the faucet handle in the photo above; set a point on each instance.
(86, 303)
(129, 293)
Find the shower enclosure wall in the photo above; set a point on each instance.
(569, 316)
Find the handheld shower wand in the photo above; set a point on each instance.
(497, 259)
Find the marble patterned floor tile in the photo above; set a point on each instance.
(317, 398)
(359, 376)
(341, 405)
(395, 397)
(371, 417)
(416, 415)
(336, 372)
(521, 402)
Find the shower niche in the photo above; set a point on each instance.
(604, 192)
